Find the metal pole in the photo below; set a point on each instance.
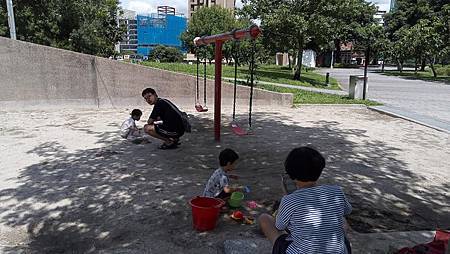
(332, 59)
(327, 79)
(366, 64)
(218, 89)
(12, 25)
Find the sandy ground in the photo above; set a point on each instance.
(70, 184)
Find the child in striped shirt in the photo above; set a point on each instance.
(310, 219)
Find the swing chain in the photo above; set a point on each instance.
(197, 84)
(235, 46)
(252, 71)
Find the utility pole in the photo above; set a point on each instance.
(12, 26)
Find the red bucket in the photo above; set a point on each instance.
(205, 212)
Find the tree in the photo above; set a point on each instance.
(3, 22)
(305, 24)
(208, 21)
(424, 37)
(421, 28)
(80, 25)
(166, 54)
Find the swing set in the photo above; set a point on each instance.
(218, 40)
(199, 107)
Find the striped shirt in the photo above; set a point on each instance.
(315, 219)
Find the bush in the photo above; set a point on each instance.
(443, 71)
(165, 54)
(341, 65)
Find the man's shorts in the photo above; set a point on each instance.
(163, 131)
(281, 244)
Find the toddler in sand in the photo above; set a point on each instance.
(218, 185)
(129, 131)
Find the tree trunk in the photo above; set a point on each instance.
(294, 58)
(332, 59)
(415, 65)
(366, 65)
(298, 72)
(400, 65)
(289, 60)
(337, 46)
(422, 67)
(432, 67)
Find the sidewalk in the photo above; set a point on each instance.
(436, 124)
(386, 109)
(419, 101)
(310, 89)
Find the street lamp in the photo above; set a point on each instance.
(12, 26)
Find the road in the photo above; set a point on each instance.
(425, 102)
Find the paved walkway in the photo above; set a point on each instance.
(427, 103)
(304, 88)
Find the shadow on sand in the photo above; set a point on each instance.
(134, 197)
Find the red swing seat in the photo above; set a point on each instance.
(237, 129)
(200, 108)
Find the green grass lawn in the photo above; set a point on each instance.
(306, 97)
(269, 73)
(420, 75)
(275, 74)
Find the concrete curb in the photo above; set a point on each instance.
(431, 123)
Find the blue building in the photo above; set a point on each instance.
(162, 28)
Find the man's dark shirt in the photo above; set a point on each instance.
(170, 117)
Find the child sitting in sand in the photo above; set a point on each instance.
(129, 131)
(218, 185)
(310, 219)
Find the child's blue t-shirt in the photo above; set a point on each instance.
(315, 219)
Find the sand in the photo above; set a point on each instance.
(70, 184)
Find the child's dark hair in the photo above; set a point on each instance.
(136, 112)
(304, 164)
(148, 90)
(227, 155)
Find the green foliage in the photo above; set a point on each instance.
(306, 97)
(81, 25)
(275, 74)
(422, 75)
(443, 71)
(215, 20)
(341, 65)
(267, 73)
(208, 21)
(298, 25)
(3, 21)
(419, 29)
(165, 54)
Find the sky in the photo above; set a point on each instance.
(149, 6)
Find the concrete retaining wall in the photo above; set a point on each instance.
(35, 76)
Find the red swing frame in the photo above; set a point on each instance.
(218, 39)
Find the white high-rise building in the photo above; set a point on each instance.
(194, 5)
(129, 40)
